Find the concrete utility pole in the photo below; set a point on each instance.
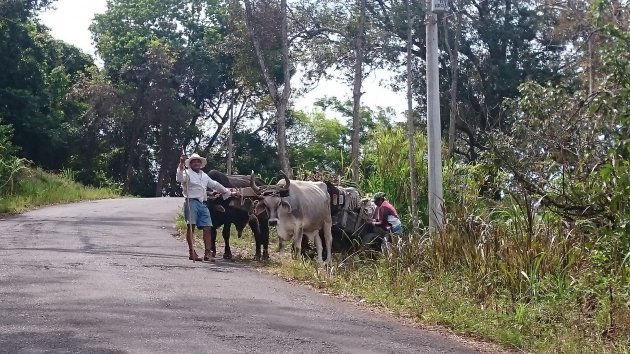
(410, 121)
(436, 199)
(230, 152)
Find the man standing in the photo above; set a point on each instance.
(195, 184)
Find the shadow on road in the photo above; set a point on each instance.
(48, 342)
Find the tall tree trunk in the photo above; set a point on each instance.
(129, 173)
(164, 158)
(280, 100)
(453, 55)
(283, 150)
(160, 180)
(356, 94)
(132, 148)
(410, 122)
(161, 173)
(592, 61)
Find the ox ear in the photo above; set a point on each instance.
(286, 206)
(260, 208)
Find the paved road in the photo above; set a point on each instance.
(108, 277)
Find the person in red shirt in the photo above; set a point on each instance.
(386, 215)
(387, 220)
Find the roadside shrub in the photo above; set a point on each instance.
(386, 163)
(23, 186)
(10, 164)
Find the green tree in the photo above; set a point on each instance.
(386, 168)
(37, 73)
(166, 57)
(279, 97)
(319, 144)
(504, 43)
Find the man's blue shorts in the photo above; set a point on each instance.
(200, 213)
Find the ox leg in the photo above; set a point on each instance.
(257, 238)
(259, 233)
(329, 240)
(297, 242)
(323, 240)
(227, 252)
(280, 245)
(264, 240)
(207, 243)
(213, 241)
(307, 250)
(318, 246)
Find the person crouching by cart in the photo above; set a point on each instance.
(195, 185)
(387, 220)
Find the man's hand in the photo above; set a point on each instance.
(235, 193)
(182, 161)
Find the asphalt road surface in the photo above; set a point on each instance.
(108, 277)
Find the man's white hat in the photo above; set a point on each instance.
(196, 157)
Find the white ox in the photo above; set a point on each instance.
(298, 208)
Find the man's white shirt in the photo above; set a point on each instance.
(198, 184)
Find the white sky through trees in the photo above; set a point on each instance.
(69, 20)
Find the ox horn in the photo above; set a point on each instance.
(287, 181)
(252, 183)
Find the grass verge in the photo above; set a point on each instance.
(40, 188)
(549, 323)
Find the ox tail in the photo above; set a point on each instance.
(254, 223)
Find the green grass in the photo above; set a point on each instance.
(550, 323)
(40, 188)
(506, 269)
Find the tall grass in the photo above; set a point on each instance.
(489, 277)
(33, 187)
(505, 269)
(387, 169)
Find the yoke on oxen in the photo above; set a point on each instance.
(244, 202)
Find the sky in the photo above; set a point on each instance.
(69, 21)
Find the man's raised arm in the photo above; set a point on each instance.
(179, 177)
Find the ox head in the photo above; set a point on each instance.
(270, 199)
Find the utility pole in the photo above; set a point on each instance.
(410, 121)
(436, 199)
(230, 152)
